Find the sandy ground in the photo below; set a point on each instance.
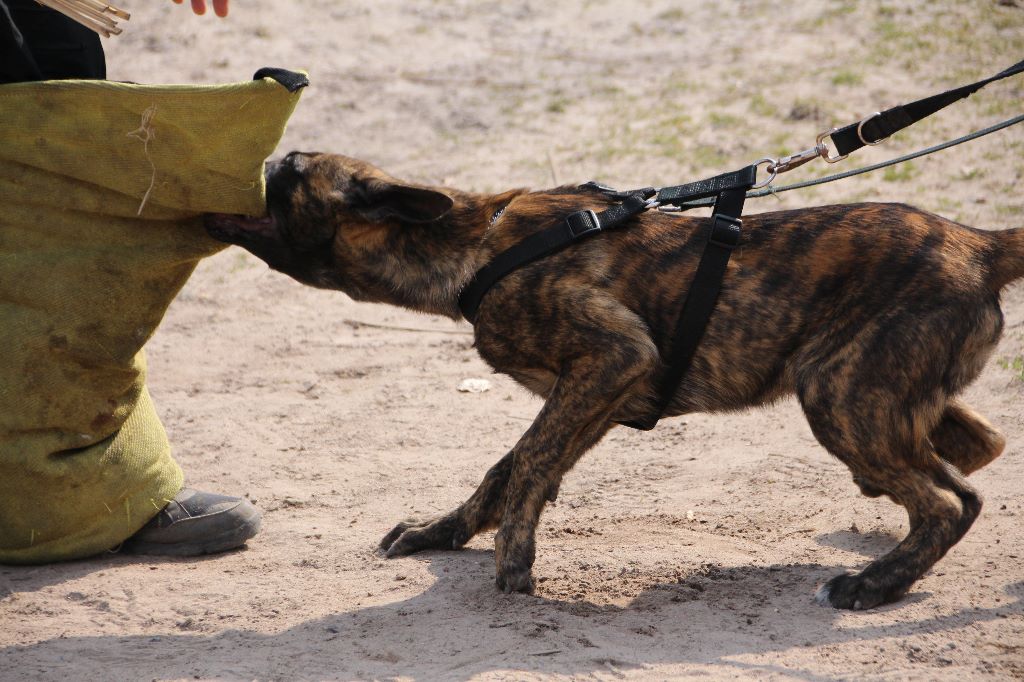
(690, 551)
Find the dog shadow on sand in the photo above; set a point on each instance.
(719, 621)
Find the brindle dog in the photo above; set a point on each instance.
(875, 315)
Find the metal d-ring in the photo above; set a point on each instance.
(860, 130)
(772, 164)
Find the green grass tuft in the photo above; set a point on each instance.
(900, 172)
(1014, 364)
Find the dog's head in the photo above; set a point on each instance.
(328, 217)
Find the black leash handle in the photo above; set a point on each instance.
(879, 126)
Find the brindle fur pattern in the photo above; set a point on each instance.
(875, 315)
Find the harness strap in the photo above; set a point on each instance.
(709, 187)
(723, 237)
(574, 227)
(619, 194)
(879, 126)
(730, 190)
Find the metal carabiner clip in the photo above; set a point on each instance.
(788, 163)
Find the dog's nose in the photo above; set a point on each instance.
(295, 160)
(270, 169)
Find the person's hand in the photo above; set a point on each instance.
(220, 7)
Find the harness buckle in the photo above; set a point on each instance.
(582, 223)
(725, 231)
(860, 130)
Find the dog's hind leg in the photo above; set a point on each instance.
(965, 439)
(876, 438)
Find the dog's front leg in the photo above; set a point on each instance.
(480, 512)
(578, 412)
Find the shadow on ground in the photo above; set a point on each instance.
(460, 626)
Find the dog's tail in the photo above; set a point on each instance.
(1008, 258)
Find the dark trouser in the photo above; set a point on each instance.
(38, 43)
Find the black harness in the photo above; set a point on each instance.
(729, 191)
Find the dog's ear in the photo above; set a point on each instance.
(405, 202)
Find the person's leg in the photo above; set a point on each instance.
(59, 47)
(38, 43)
(16, 61)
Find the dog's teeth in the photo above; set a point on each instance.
(822, 596)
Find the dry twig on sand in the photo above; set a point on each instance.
(356, 324)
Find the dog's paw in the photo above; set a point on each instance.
(389, 540)
(855, 591)
(409, 537)
(513, 560)
(515, 579)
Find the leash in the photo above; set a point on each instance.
(880, 125)
(769, 189)
(727, 193)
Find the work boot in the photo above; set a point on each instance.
(196, 523)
